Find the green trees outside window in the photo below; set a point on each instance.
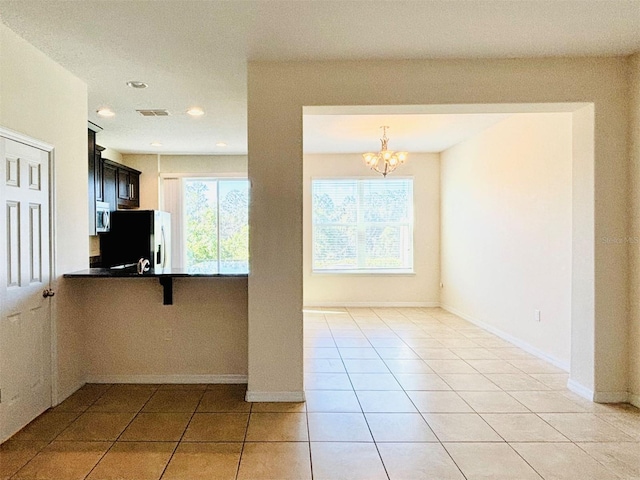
(362, 225)
(216, 225)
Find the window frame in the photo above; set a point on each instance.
(181, 225)
(360, 224)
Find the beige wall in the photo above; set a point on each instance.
(418, 289)
(632, 241)
(40, 99)
(149, 178)
(227, 164)
(277, 93)
(506, 231)
(130, 336)
(109, 153)
(153, 166)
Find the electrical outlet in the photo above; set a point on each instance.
(168, 333)
(441, 285)
(537, 317)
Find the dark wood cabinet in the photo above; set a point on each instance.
(92, 181)
(95, 187)
(109, 182)
(97, 162)
(128, 187)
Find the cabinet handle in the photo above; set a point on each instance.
(132, 196)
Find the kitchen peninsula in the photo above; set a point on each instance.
(130, 336)
(165, 276)
(168, 326)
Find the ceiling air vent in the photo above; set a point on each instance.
(154, 112)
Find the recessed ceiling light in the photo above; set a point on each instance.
(195, 112)
(136, 84)
(155, 144)
(221, 144)
(105, 112)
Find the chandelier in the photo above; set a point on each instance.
(385, 161)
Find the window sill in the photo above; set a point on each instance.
(367, 273)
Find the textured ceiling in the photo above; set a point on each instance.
(195, 52)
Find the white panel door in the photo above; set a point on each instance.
(25, 317)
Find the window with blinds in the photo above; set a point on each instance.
(362, 226)
(210, 226)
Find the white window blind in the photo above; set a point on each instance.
(362, 225)
(172, 203)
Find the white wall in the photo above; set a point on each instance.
(277, 94)
(42, 100)
(506, 230)
(632, 240)
(418, 289)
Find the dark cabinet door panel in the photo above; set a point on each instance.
(109, 183)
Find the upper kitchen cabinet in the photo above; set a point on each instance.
(95, 178)
(109, 181)
(128, 187)
(97, 162)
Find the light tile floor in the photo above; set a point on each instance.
(394, 394)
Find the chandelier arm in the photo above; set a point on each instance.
(390, 159)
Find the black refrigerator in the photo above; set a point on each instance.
(136, 234)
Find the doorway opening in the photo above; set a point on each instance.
(492, 232)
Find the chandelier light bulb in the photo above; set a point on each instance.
(385, 161)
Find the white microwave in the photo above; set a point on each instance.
(103, 217)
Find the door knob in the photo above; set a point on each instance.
(48, 293)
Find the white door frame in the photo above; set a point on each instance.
(50, 149)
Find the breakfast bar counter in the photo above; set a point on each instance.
(165, 276)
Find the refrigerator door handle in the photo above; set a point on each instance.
(163, 246)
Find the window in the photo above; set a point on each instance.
(362, 226)
(210, 223)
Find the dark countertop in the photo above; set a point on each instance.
(131, 272)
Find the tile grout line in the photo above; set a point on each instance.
(359, 403)
(409, 323)
(120, 434)
(182, 435)
(244, 440)
(425, 420)
(417, 409)
(112, 443)
(65, 428)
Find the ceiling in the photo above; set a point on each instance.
(411, 133)
(195, 53)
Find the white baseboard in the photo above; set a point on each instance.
(167, 379)
(602, 397)
(66, 394)
(510, 338)
(634, 399)
(370, 304)
(581, 390)
(611, 397)
(253, 396)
